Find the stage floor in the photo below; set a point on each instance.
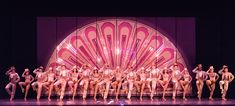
(122, 101)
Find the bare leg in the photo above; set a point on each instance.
(96, 89)
(118, 90)
(114, 85)
(136, 84)
(8, 88)
(21, 84)
(164, 91)
(221, 83)
(185, 88)
(208, 83)
(63, 87)
(50, 91)
(70, 83)
(26, 91)
(106, 89)
(39, 90)
(154, 82)
(130, 84)
(225, 90)
(92, 86)
(175, 86)
(34, 84)
(142, 90)
(198, 89)
(148, 85)
(45, 85)
(85, 89)
(201, 83)
(162, 85)
(75, 89)
(212, 91)
(13, 92)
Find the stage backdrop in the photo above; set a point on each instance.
(117, 41)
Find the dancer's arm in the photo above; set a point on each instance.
(208, 71)
(231, 77)
(18, 78)
(32, 78)
(8, 71)
(23, 75)
(190, 79)
(205, 74)
(35, 71)
(217, 76)
(195, 70)
(220, 71)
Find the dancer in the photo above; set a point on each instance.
(40, 76)
(164, 81)
(155, 75)
(62, 81)
(85, 80)
(73, 82)
(200, 77)
(213, 77)
(185, 82)
(119, 77)
(227, 77)
(106, 79)
(175, 77)
(50, 76)
(13, 78)
(28, 79)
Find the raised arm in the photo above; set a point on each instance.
(195, 70)
(23, 75)
(35, 71)
(8, 71)
(220, 71)
(208, 71)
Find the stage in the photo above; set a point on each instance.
(122, 101)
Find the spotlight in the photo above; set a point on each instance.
(59, 60)
(151, 48)
(118, 51)
(98, 59)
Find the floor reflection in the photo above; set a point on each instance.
(122, 101)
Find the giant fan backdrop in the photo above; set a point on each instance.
(118, 42)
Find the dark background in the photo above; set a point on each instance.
(215, 29)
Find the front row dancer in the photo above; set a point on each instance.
(28, 79)
(213, 77)
(201, 76)
(227, 77)
(102, 78)
(13, 78)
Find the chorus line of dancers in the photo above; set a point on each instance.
(101, 80)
